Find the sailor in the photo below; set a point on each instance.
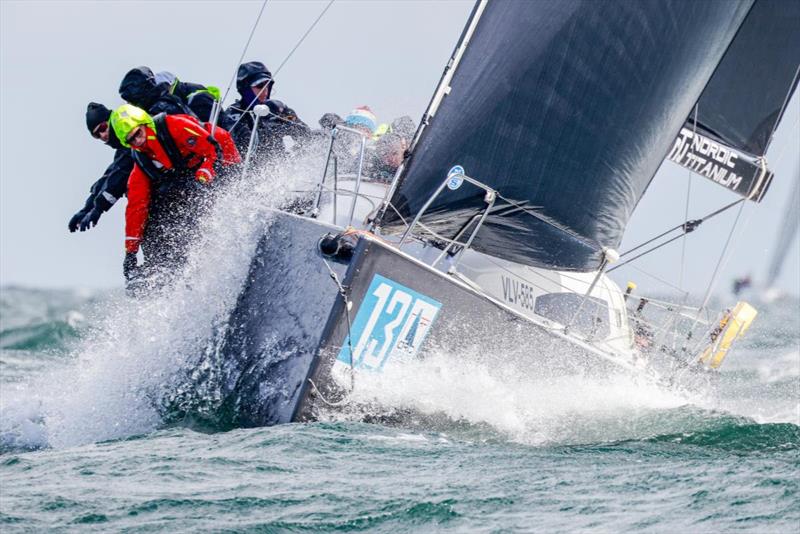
(404, 127)
(386, 157)
(362, 119)
(140, 88)
(199, 98)
(391, 148)
(105, 192)
(172, 154)
(348, 145)
(255, 84)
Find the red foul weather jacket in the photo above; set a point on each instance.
(191, 138)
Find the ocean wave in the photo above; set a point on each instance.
(739, 436)
(52, 335)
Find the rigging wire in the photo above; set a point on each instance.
(303, 38)
(720, 262)
(688, 198)
(286, 59)
(688, 227)
(236, 69)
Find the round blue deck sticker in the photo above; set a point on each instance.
(455, 177)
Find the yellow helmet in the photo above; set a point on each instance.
(126, 118)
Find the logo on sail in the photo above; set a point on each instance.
(734, 170)
(391, 324)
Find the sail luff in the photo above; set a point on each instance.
(441, 91)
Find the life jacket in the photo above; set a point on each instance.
(162, 177)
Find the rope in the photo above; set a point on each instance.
(547, 221)
(343, 293)
(342, 402)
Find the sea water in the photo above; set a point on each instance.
(90, 438)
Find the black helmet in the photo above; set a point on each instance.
(250, 74)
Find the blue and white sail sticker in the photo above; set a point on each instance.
(391, 325)
(455, 177)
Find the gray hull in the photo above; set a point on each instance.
(291, 325)
(460, 324)
(276, 326)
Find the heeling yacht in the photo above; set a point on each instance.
(549, 122)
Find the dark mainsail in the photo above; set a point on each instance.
(567, 108)
(744, 101)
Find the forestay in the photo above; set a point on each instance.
(567, 107)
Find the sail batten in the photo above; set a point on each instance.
(567, 105)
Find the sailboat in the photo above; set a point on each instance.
(790, 222)
(498, 231)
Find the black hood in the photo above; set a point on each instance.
(139, 87)
(248, 74)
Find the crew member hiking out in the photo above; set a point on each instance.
(175, 158)
(199, 98)
(140, 88)
(114, 183)
(255, 83)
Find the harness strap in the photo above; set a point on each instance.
(155, 174)
(163, 136)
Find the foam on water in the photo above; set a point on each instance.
(552, 410)
(138, 351)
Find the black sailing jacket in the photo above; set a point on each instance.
(282, 121)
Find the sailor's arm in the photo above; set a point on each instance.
(138, 209)
(191, 137)
(115, 183)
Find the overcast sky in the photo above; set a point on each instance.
(57, 56)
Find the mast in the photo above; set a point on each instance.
(442, 89)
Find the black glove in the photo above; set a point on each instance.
(75, 221)
(129, 266)
(90, 219)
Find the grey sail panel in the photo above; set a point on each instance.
(745, 98)
(744, 101)
(566, 107)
